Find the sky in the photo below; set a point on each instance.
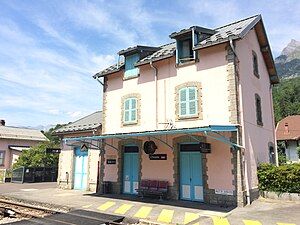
(49, 50)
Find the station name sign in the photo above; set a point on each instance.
(111, 161)
(158, 157)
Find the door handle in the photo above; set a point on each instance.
(190, 179)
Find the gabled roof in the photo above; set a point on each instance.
(235, 30)
(17, 133)
(288, 128)
(87, 123)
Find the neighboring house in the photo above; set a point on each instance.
(288, 131)
(78, 164)
(205, 100)
(13, 140)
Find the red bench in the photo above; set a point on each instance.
(153, 187)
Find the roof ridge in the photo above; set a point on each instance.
(68, 124)
(167, 44)
(235, 22)
(25, 128)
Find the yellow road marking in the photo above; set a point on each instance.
(86, 206)
(123, 209)
(286, 224)
(143, 212)
(165, 216)
(251, 222)
(106, 206)
(220, 221)
(189, 217)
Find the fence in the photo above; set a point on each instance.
(34, 174)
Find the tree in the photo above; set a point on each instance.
(36, 156)
(53, 138)
(286, 97)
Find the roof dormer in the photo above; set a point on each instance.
(186, 39)
(132, 55)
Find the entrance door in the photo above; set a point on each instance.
(130, 169)
(80, 172)
(191, 182)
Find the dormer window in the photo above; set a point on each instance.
(130, 69)
(132, 55)
(185, 50)
(186, 40)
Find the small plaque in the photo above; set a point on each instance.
(53, 150)
(158, 157)
(223, 192)
(111, 161)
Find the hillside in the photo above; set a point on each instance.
(288, 63)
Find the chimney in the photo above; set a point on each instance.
(2, 122)
(286, 128)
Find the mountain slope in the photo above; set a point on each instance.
(288, 63)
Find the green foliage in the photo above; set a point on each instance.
(286, 97)
(36, 156)
(281, 153)
(284, 178)
(298, 151)
(52, 138)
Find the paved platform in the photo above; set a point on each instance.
(262, 212)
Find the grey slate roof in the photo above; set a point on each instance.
(7, 132)
(233, 30)
(112, 69)
(166, 51)
(86, 123)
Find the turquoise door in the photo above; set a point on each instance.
(191, 182)
(130, 171)
(80, 171)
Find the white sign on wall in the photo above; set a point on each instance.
(223, 192)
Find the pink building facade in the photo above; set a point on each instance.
(204, 103)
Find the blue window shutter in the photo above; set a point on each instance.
(130, 69)
(183, 102)
(130, 110)
(188, 101)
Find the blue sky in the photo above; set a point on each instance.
(49, 50)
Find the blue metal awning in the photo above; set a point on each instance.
(211, 128)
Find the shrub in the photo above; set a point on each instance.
(284, 178)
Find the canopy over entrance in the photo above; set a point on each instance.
(207, 130)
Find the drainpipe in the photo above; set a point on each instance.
(274, 127)
(156, 94)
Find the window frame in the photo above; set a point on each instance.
(130, 110)
(258, 109)
(3, 158)
(255, 64)
(187, 102)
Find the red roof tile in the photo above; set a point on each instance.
(288, 128)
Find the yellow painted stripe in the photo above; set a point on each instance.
(286, 224)
(220, 221)
(251, 222)
(189, 217)
(143, 212)
(86, 206)
(165, 216)
(106, 206)
(123, 208)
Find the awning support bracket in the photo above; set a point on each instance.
(171, 147)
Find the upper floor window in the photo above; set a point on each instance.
(188, 102)
(255, 64)
(130, 110)
(2, 153)
(130, 69)
(258, 110)
(185, 50)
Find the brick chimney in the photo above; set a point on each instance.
(2, 122)
(286, 128)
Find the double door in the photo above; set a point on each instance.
(130, 170)
(191, 177)
(80, 169)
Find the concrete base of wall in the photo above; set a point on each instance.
(254, 194)
(280, 196)
(211, 197)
